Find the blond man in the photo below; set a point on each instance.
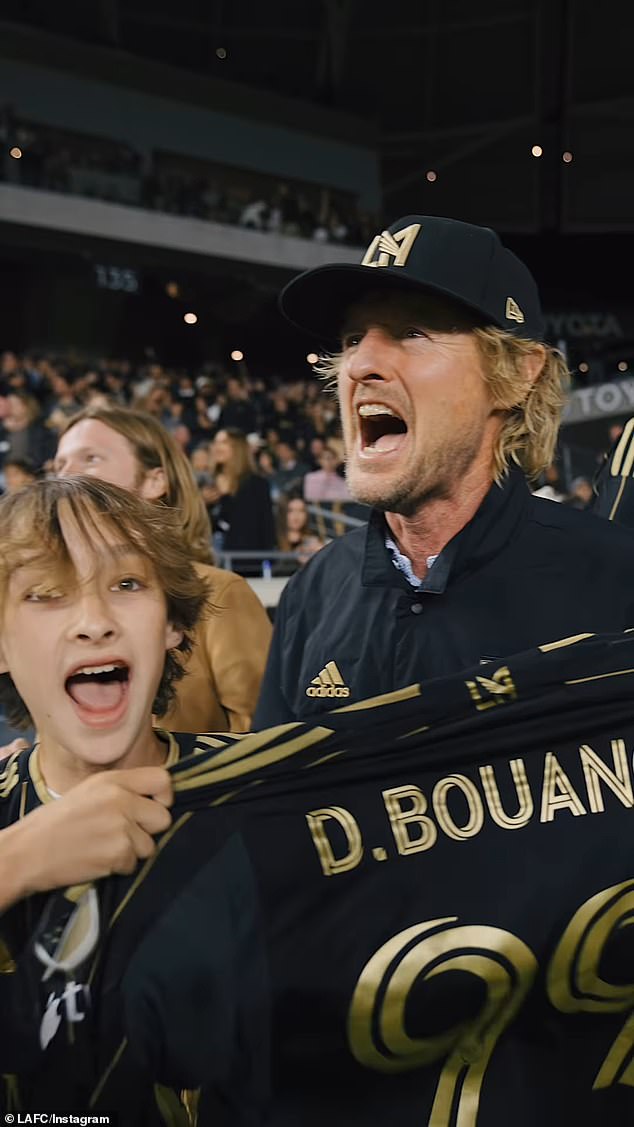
(450, 403)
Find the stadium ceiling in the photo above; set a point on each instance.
(460, 93)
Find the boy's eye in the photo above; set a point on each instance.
(41, 595)
(129, 583)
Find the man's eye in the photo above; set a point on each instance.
(413, 331)
(350, 339)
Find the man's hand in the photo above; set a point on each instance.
(10, 749)
(102, 826)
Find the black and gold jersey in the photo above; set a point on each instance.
(50, 1047)
(420, 909)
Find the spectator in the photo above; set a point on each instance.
(290, 472)
(294, 531)
(24, 433)
(581, 494)
(237, 412)
(450, 403)
(18, 472)
(242, 512)
(224, 669)
(254, 215)
(325, 484)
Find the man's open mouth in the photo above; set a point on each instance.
(381, 429)
(99, 688)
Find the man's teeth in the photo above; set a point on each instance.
(96, 669)
(368, 409)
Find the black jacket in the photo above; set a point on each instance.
(523, 572)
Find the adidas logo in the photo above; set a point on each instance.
(328, 683)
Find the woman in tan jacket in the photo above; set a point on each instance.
(224, 670)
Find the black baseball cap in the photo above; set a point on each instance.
(460, 261)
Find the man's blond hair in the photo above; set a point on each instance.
(533, 410)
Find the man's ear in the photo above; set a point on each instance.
(533, 363)
(173, 637)
(154, 485)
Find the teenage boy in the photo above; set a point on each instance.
(98, 600)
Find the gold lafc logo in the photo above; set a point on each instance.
(486, 692)
(513, 311)
(391, 249)
(329, 683)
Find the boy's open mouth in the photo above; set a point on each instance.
(100, 688)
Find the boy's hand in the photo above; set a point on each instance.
(102, 826)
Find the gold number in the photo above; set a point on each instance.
(376, 1021)
(573, 981)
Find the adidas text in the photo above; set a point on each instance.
(327, 691)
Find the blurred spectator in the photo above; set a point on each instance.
(581, 494)
(225, 667)
(104, 168)
(294, 533)
(325, 484)
(237, 411)
(242, 513)
(18, 472)
(254, 215)
(24, 435)
(551, 487)
(200, 459)
(290, 472)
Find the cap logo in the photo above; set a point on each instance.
(392, 249)
(513, 311)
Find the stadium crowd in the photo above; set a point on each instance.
(260, 454)
(39, 156)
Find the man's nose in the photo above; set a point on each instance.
(372, 358)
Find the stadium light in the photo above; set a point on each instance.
(537, 151)
(583, 367)
(567, 157)
(172, 289)
(312, 358)
(622, 365)
(431, 176)
(237, 355)
(221, 52)
(15, 152)
(190, 318)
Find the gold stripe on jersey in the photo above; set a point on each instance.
(108, 1072)
(599, 676)
(385, 698)
(564, 642)
(167, 837)
(617, 499)
(219, 771)
(9, 776)
(247, 745)
(622, 451)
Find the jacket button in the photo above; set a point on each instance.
(416, 608)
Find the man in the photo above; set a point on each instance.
(325, 484)
(449, 401)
